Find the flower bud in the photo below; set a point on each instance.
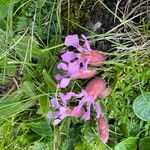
(84, 74)
(95, 87)
(96, 58)
(103, 128)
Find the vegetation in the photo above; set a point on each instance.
(32, 36)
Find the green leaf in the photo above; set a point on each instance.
(41, 128)
(128, 144)
(28, 88)
(51, 84)
(40, 146)
(141, 106)
(4, 7)
(144, 144)
(68, 144)
(44, 105)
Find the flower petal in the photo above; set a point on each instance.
(73, 67)
(62, 66)
(78, 108)
(66, 97)
(59, 77)
(72, 40)
(68, 56)
(86, 44)
(84, 74)
(82, 94)
(86, 115)
(95, 87)
(97, 107)
(53, 115)
(96, 58)
(75, 113)
(64, 82)
(56, 121)
(55, 104)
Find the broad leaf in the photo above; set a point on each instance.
(128, 144)
(144, 144)
(141, 106)
(44, 105)
(41, 128)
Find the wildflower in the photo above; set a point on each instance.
(80, 64)
(76, 65)
(89, 95)
(61, 108)
(64, 80)
(103, 128)
(94, 88)
(72, 71)
(93, 57)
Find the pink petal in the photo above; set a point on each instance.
(66, 97)
(86, 44)
(97, 107)
(64, 82)
(73, 67)
(72, 40)
(56, 121)
(58, 77)
(103, 128)
(53, 115)
(96, 58)
(75, 113)
(64, 111)
(83, 93)
(62, 66)
(55, 103)
(86, 115)
(68, 56)
(78, 108)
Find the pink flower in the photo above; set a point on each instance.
(95, 88)
(76, 65)
(84, 74)
(61, 108)
(65, 79)
(92, 91)
(103, 128)
(93, 57)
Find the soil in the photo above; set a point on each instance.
(94, 16)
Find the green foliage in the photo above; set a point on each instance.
(144, 143)
(50, 83)
(141, 106)
(31, 37)
(127, 144)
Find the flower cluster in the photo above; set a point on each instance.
(80, 65)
